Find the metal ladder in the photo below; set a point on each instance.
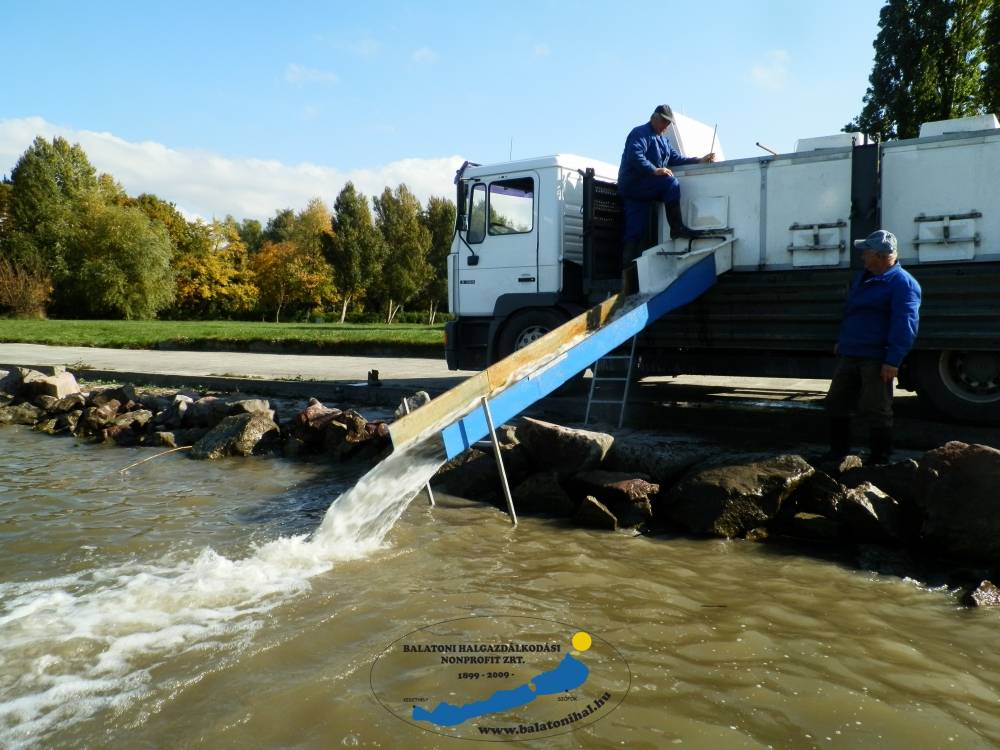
(627, 380)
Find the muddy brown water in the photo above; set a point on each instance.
(182, 605)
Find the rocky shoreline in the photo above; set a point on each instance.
(939, 514)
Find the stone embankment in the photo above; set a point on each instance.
(209, 427)
(940, 511)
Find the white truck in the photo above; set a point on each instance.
(539, 240)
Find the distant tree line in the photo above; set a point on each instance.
(74, 244)
(934, 60)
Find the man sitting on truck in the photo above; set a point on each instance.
(879, 326)
(645, 176)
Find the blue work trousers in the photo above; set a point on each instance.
(636, 196)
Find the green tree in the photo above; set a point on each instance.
(439, 218)
(121, 266)
(990, 89)
(252, 235)
(166, 213)
(408, 243)
(356, 250)
(281, 226)
(51, 183)
(928, 66)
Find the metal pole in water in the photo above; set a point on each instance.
(496, 452)
(430, 495)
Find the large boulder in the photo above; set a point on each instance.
(730, 497)
(24, 384)
(664, 462)
(473, 474)
(960, 499)
(542, 494)
(352, 437)
(96, 419)
(309, 426)
(238, 435)
(124, 395)
(54, 406)
(172, 416)
(870, 515)
(208, 411)
(552, 447)
(21, 414)
(628, 495)
(593, 514)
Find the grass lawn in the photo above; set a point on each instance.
(332, 338)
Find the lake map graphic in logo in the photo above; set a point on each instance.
(500, 678)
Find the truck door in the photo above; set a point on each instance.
(501, 255)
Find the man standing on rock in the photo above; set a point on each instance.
(879, 326)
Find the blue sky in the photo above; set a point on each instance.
(245, 108)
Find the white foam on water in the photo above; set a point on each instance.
(74, 645)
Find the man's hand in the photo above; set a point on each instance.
(708, 158)
(888, 373)
(663, 172)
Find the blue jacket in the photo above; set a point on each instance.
(645, 151)
(881, 316)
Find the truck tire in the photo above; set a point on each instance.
(962, 385)
(526, 327)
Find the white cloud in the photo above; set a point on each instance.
(300, 74)
(772, 73)
(542, 50)
(365, 47)
(203, 184)
(425, 55)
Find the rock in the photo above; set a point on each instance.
(20, 414)
(123, 394)
(237, 435)
(811, 526)
(49, 426)
(960, 500)
(628, 496)
(11, 383)
(349, 437)
(728, 498)
(593, 514)
(820, 495)
(414, 402)
(60, 385)
(663, 462)
(205, 412)
(72, 402)
(96, 419)
(172, 417)
(542, 494)
(551, 447)
(759, 534)
(179, 438)
(983, 595)
(310, 425)
(870, 515)
(251, 406)
(836, 467)
(473, 474)
(154, 403)
(60, 423)
(901, 480)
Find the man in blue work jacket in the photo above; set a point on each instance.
(879, 326)
(645, 175)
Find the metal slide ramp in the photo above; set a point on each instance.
(668, 278)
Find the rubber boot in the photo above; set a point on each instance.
(881, 446)
(678, 229)
(840, 437)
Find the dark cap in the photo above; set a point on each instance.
(665, 112)
(880, 241)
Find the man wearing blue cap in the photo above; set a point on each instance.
(645, 175)
(879, 326)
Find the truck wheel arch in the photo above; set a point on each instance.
(525, 326)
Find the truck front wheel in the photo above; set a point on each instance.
(964, 385)
(526, 327)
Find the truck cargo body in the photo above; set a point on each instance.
(793, 218)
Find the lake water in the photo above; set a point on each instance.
(181, 605)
